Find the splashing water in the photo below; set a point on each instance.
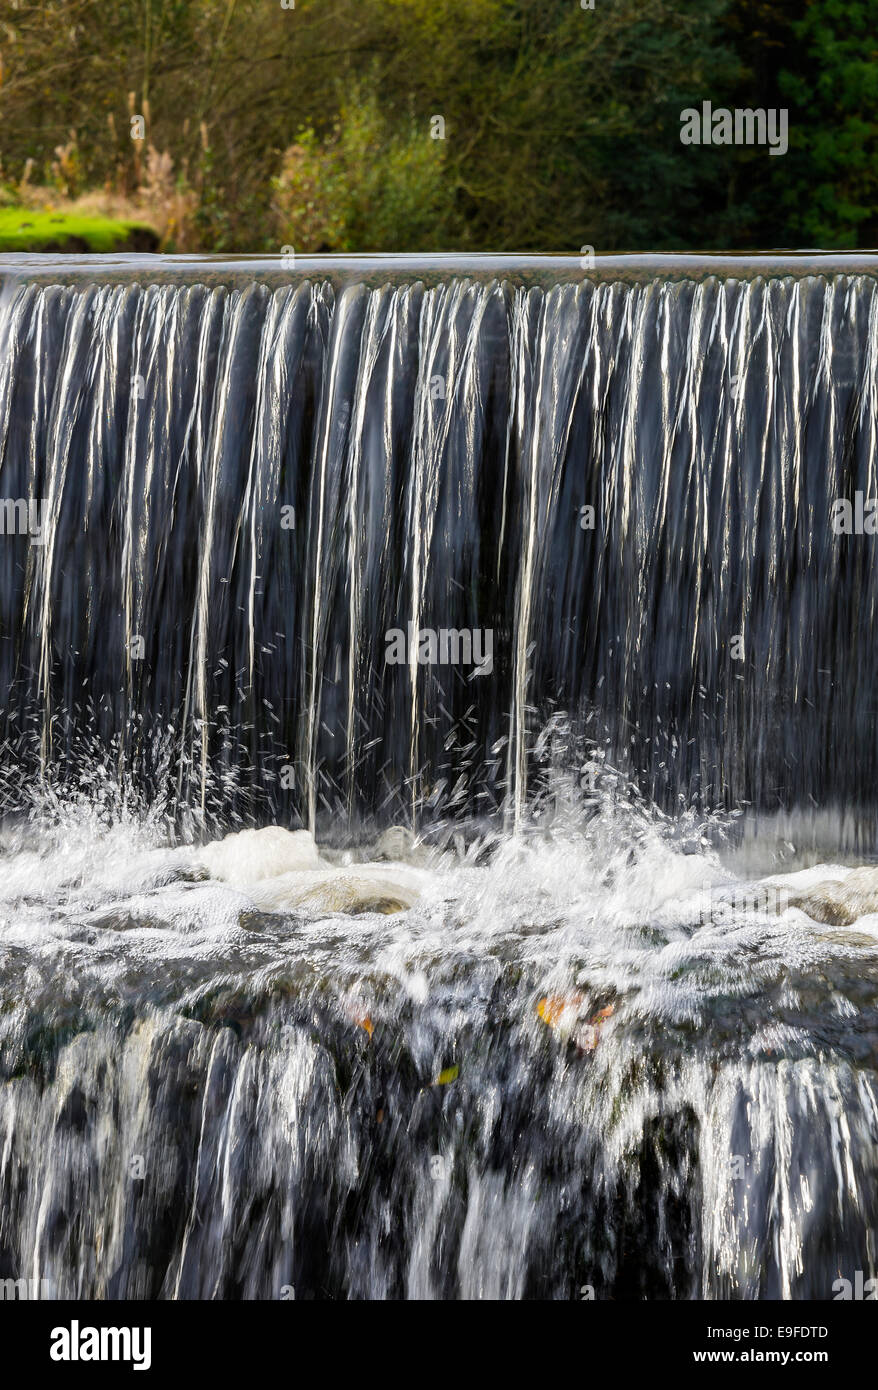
(528, 1005)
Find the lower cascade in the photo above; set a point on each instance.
(439, 755)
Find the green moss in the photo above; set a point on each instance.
(26, 229)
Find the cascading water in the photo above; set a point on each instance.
(515, 591)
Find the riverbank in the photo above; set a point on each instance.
(30, 229)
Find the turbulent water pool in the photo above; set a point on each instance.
(329, 976)
(573, 1061)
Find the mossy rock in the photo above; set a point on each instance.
(26, 229)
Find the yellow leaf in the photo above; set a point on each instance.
(555, 1009)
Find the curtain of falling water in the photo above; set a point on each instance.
(243, 492)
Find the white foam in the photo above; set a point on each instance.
(250, 856)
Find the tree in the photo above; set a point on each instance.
(829, 194)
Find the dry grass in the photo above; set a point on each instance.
(161, 200)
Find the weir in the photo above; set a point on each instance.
(529, 1021)
(254, 483)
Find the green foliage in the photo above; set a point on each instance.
(831, 193)
(311, 126)
(365, 188)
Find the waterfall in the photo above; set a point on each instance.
(247, 489)
(541, 573)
